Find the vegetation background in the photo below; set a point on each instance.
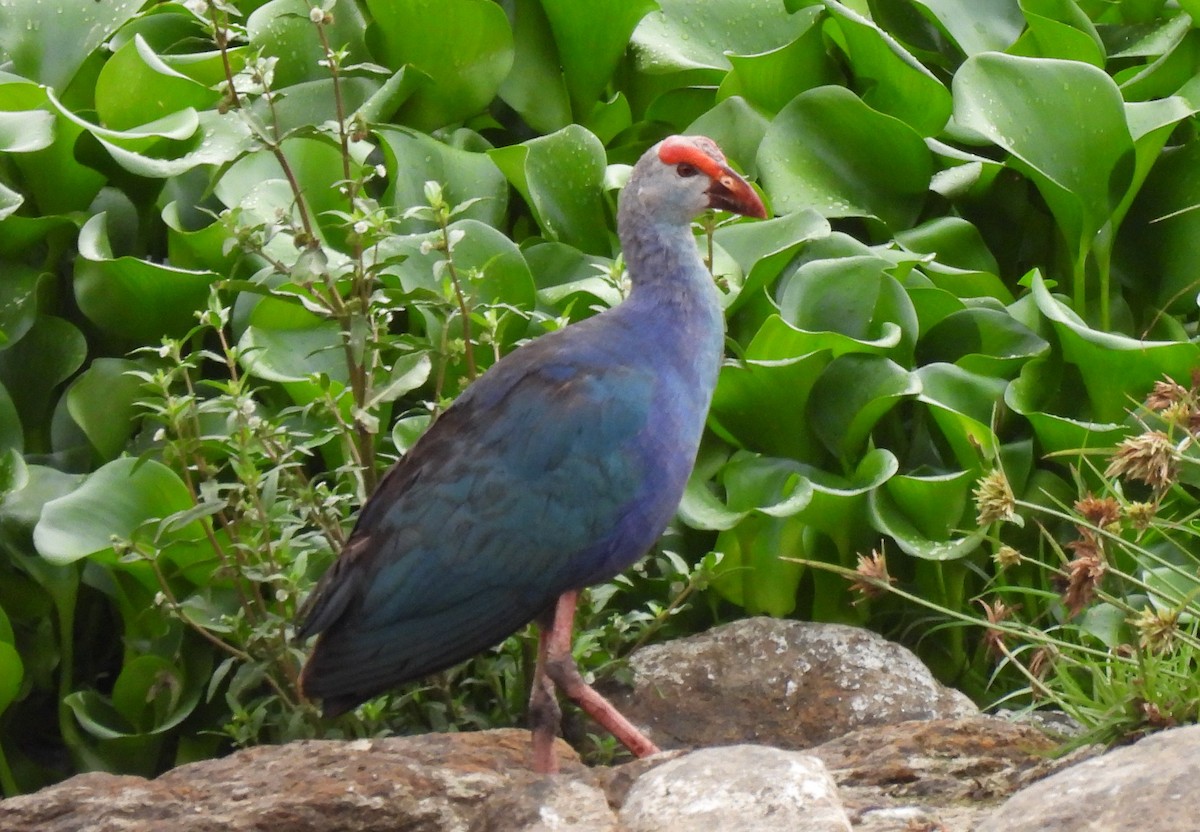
(249, 249)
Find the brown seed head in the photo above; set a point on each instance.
(1149, 457)
(1084, 573)
(873, 575)
(1101, 512)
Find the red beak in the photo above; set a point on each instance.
(730, 192)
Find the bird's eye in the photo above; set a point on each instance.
(686, 170)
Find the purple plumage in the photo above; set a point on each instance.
(556, 469)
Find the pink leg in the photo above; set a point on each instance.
(555, 660)
(544, 713)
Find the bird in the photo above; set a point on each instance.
(555, 470)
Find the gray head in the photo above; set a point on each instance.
(680, 178)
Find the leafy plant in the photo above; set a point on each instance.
(249, 250)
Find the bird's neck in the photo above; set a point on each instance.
(673, 296)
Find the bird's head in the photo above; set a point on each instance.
(683, 176)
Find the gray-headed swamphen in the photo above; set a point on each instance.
(555, 470)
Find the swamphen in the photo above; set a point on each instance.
(556, 469)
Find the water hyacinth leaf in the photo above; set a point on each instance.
(132, 298)
(925, 514)
(535, 86)
(1105, 622)
(162, 90)
(18, 301)
(569, 280)
(464, 46)
(769, 80)
(891, 80)
(1116, 369)
(758, 571)
(414, 159)
(823, 151)
(12, 674)
(760, 404)
(1158, 240)
(962, 404)
(26, 131)
(1064, 121)
(854, 392)
(763, 249)
(30, 370)
(753, 484)
(490, 265)
(117, 500)
(1151, 124)
(738, 128)
(1060, 29)
(888, 520)
(282, 29)
(102, 401)
(408, 429)
(955, 242)
(48, 42)
(983, 340)
(1028, 395)
(976, 25)
(561, 177)
(284, 342)
(838, 499)
(855, 299)
(686, 35)
(591, 38)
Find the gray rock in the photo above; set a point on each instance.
(736, 788)
(792, 684)
(479, 782)
(1149, 785)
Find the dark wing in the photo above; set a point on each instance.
(527, 486)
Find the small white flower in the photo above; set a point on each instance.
(316, 15)
(362, 227)
(381, 170)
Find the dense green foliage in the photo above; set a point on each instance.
(248, 250)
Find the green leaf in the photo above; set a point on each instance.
(18, 302)
(561, 177)
(12, 673)
(924, 514)
(414, 159)
(1116, 369)
(853, 301)
(983, 340)
(697, 34)
(161, 89)
(976, 25)
(890, 79)
(48, 42)
(759, 404)
(465, 47)
(1064, 121)
(853, 393)
(1060, 29)
(591, 38)
(737, 127)
(30, 370)
(962, 404)
(770, 79)
(117, 500)
(536, 87)
(824, 151)
(102, 402)
(757, 571)
(1033, 395)
(131, 298)
(26, 131)
(763, 249)
(281, 28)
